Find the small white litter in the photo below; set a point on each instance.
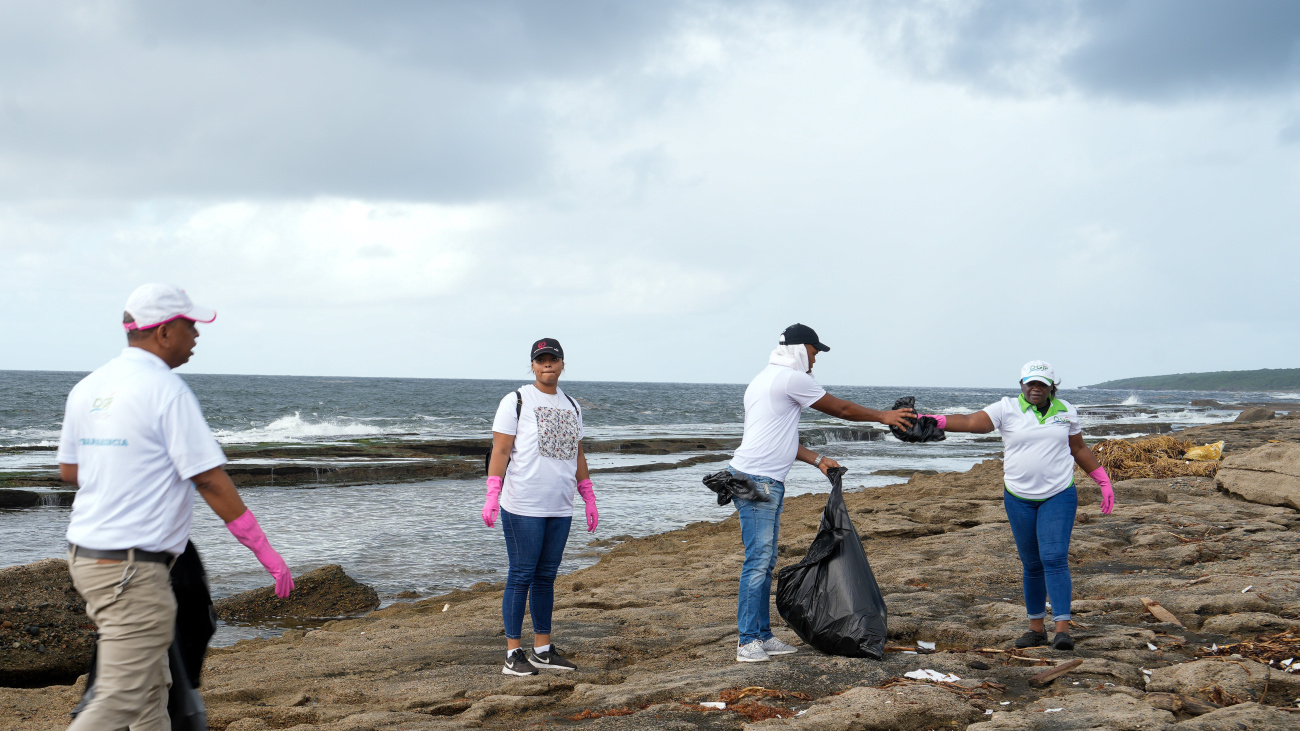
(928, 674)
(1151, 646)
(714, 704)
(800, 713)
(1287, 662)
(910, 652)
(1053, 710)
(1110, 684)
(1006, 703)
(988, 711)
(1214, 647)
(1252, 586)
(1145, 671)
(925, 645)
(445, 607)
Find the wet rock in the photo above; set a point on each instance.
(1225, 682)
(325, 592)
(903, 708)
(1269, 475)
(1257, 413)
(1245, 623)
(1093, 711)
(1251, 716)
(45, 635)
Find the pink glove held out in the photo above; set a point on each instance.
(943, 420)
(248, 532)
(589, 497)
(1107, 492)
(493, 502)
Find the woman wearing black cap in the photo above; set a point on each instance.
(537, 463)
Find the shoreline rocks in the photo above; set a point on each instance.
(325, 592)
(1269, 475)
(45, 635)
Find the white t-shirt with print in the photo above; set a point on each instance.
(773, 403)
(136, 433)
(543, 471)
(1038, 463)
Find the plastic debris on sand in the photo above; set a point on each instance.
(928, 674)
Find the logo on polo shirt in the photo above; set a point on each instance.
(102, 403)
(103, 442)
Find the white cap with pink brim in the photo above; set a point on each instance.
(151, 305)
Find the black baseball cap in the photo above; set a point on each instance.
(798, 334)
(548, 345)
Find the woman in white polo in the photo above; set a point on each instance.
(1042, 441)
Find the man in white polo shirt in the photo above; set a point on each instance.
(774, 402)
(135, 441)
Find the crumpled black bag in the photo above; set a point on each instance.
(830, 598)
(196, 622)
(923, 429)
(727, 486)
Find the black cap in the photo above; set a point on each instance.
(798, 334)
(548, 345)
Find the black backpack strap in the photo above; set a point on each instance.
(574, 405)
(519, 404)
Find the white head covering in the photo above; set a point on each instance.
(790, 356)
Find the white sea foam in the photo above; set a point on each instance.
(295, 428)
(1132, 400)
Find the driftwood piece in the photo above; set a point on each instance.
(1174, 703)
(1162, 614)
(1051, 674)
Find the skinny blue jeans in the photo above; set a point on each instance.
(1042, 532)
(535, 547)
(760, 525)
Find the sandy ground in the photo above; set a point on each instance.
(652, 626)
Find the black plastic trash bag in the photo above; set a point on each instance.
(830, 598)
(196, 622)
(923, 429)
(728, 486)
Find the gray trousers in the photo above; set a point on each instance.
(136, 622)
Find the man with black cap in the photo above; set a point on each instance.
(135, 442)
(773, 404)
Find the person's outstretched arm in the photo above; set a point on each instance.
(1087, 461)
(976, 423)
(849, 411)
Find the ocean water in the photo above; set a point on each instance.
(428, 536)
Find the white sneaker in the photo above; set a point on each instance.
(773, 646)
(753, 652)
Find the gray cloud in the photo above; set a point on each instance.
(1148, 50)
(433, 101)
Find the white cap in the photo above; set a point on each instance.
(154, 304)
(1038, 370)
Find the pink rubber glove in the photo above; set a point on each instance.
(248, 532)
(589, 497)
(1107, 492)
(943, 420)
(493, 502)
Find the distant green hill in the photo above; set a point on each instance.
(1266, 379)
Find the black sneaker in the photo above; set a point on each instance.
(550, 660)
(1032, 639)
(517, 664)
(1063, 641)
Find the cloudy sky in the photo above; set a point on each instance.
(942, 189)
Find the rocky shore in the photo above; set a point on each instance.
(652, 628)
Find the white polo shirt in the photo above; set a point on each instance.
(1038, 463)
(543, 471)
(136, 433)
(773, 403)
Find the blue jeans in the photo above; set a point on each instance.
(760, 524)
(1042, 532)
(534, 547)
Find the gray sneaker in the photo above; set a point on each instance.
(773, 646)
(753, 652)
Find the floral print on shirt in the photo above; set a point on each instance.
(557, 433)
